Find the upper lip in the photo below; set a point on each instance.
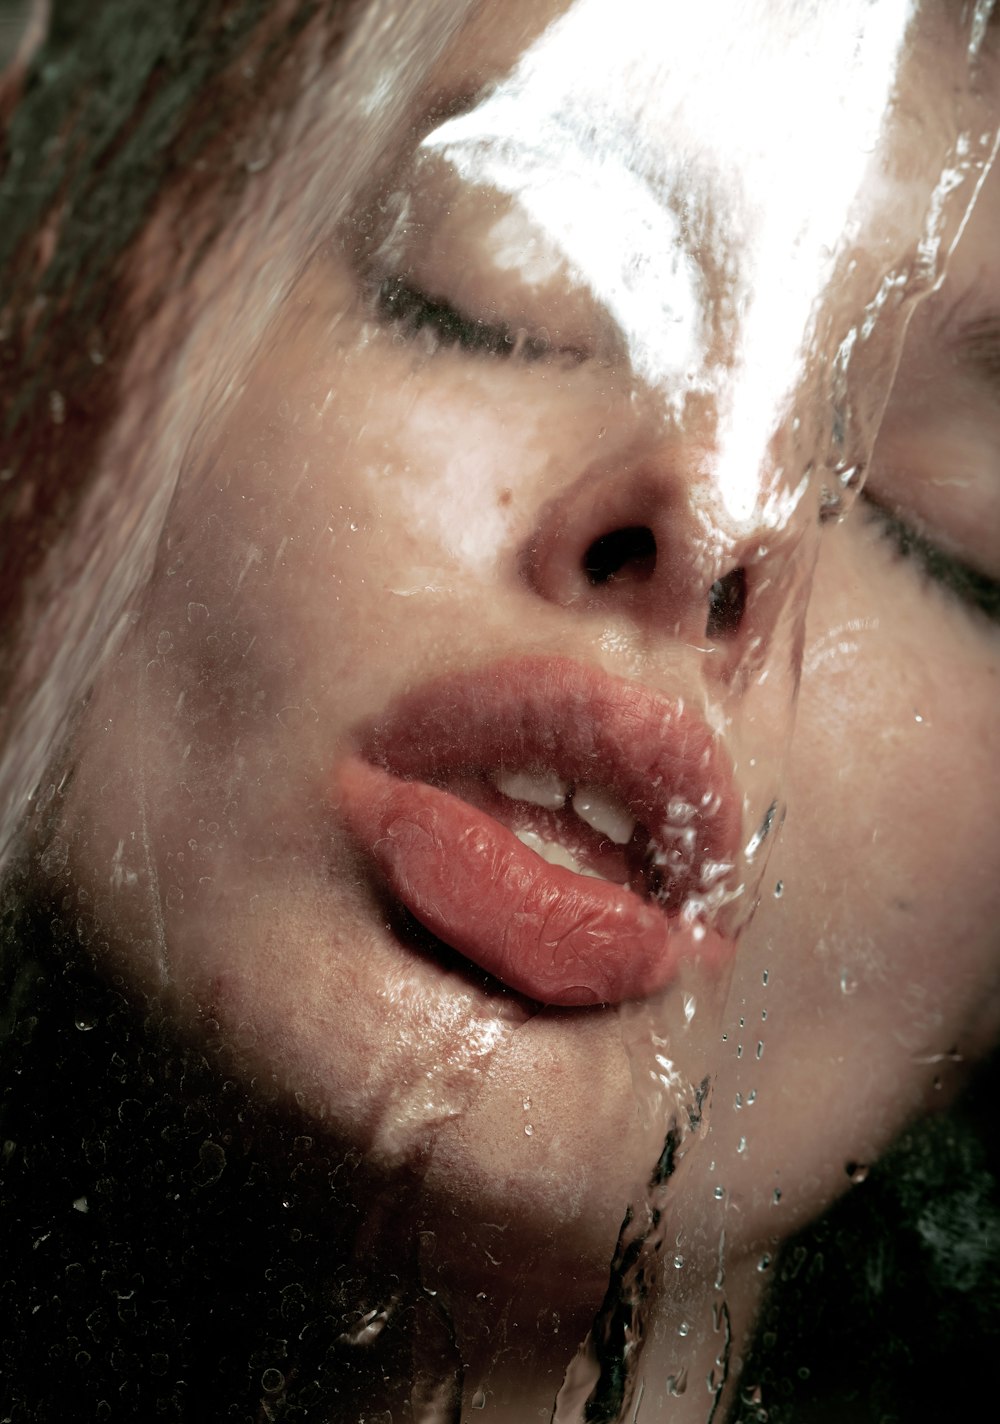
(584, 724)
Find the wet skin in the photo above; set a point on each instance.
(357, 521)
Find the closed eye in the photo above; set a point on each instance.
(976, 591)
(403, 306)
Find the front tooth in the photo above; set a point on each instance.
(554, 854)
(538, 789)
(604, 813)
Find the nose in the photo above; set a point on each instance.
(641, 535)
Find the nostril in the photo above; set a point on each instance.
(628, 553)
(727, 601)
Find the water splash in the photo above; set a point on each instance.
(602, 1380)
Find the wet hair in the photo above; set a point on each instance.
(124, 110)
(878, 1311)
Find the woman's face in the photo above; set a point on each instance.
(391, 542)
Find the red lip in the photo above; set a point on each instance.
(543, 930)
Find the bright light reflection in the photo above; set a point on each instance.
(699, 184)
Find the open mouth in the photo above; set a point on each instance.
(568, 832)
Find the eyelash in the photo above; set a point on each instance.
(975, 591)
(400, 305)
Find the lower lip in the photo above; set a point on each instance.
(558, 937)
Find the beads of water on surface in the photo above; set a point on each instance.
(528, 1130)
(764, 1263)
(779, 890)
(677, 1384)
(777, 1196)
(683, 1329)
(848, 984)
(719, 1193)
(479, 1399)
(760, 1049)
(85, 1022)
(272, 1380)
(857, 1172)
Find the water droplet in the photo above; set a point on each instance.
(777, 1196)
(848, 984)
(764, 1262)
(739, 1050)
(689, 1007)
(743, 1021)
(720, 1192)
(763, 1015)
(683, 1329)
(738, 1101)
(752, 1394)
(479, 1399)
(751, 1097)
(779, 890)
(760, 1049)
(917, 717)
(763, 831)
(678, 1383)
(526, 1104)
(857, 1171)
(741, 1146)
(272, 1380)
(528, 1129)
(678, 1263)
(85, 1022)
(81, 1204)
(764, 977)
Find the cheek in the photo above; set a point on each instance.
(881, 951)
(897, 725)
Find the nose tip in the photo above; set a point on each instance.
(639, 540)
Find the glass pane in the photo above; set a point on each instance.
(498, 800)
